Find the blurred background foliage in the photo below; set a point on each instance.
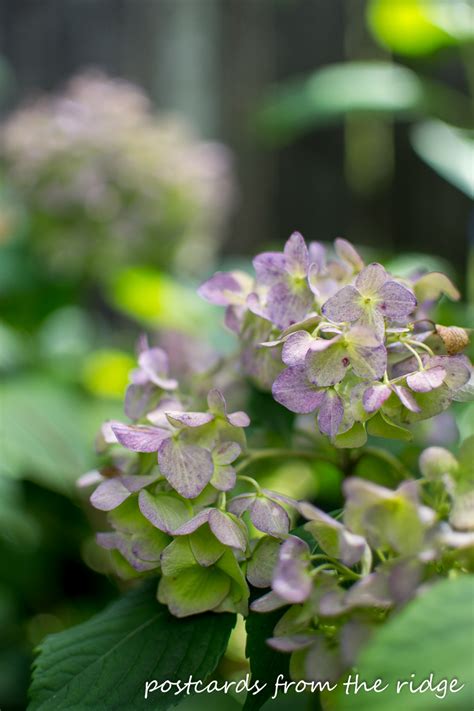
(145, 144)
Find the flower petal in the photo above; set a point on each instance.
(295, 348)
(269, 266)
(228, 530)
(371, 279)
(225, 288)
(326, 362)
(293, 390)
(397, 302)
(348, 253)
(140, 438)
(154, 363)
(187, 467)
(296, 256)
(291, 579)
(375, 396)
(164, 511)
(288, 303)
(425, 380)
(189, 419)
(330, 414)
(109, 494)
(406, 398)
(343, 306)
(269, 517)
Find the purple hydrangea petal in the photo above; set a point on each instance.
(193, 524)
(343, 306)
(293, 390)
(154, 363)
(158, 415)
(291, 579)
(226, 453)
(295, 348)
(291, 643)
(109, 494)
(406, 398)
(137, 400)
(425, 380)
(317, 254)
(135, 483)
(187, 467)
(140, 438)
(224, 477)
(241, 503)
(457, 369)
(221, 289)
(368, 362)
(256, 307)
(296, 256)
(287, 303)
(326, 362)
(238, 419)
(269, 266)
(165, 511)
(375, 396)
(371, 279)
(269, 517)
(189, 419)
(372, 320)
(348, 253)
(330, 414)
(269, 602)
(262, 562)
(91, 478)
(227, 530)
(397, 302)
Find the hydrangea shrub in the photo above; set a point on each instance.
(351, 351)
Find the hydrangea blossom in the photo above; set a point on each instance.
(343, 340)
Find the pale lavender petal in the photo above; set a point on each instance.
(348, 253)
(375, 396)
(187, 467)
(238, 419)
(256, 307)
(193, 524)
(140, 438)
(343, 306)
(269, 266)
(292, 643)
(397, 302)
(330, 414)
(371, 279)
(109, 494)
(224, 478)
(154, 362)
(326, 362)
(158, 415)
(226, 453)
(296, 256)
(291, 579)
(295, 348)
(287, 304)
(233, 317)
(137, 400)
(220, 288)
(89, 479)
(293, 390)
(368, 363)
(189, 419)
(269, 602)
(227, 530)
(135, 483)
(317, 254)
(269, 517)
(239, 504)
(406, 398)
(457, 369)
(425, 380)
(164, 511)
(216, 402)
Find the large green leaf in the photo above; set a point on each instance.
(432, 635)
(449, 151)
(265, 663)
(104, 663)
(362, 88)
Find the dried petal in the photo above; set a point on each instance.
(293, 390)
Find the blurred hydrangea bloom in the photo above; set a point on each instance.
(107, 181)
(348, 341)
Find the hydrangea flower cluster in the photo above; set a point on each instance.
(106, 180)
(345, 340)
(165, 492)
(340, 577)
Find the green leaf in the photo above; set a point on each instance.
(449, 151)
(432, 634)
(104, 663)
(380, 426)
(265, 663)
